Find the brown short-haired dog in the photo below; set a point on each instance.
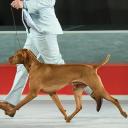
(49, 78)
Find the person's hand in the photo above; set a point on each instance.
(17, 4)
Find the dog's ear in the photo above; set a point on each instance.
(25, 54)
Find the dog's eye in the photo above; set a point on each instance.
(19, 55)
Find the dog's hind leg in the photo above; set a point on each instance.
(99, 102)
(78, 91)
(55, 98)
(98, 99)
(116, 103)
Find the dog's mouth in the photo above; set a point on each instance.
(14, 60)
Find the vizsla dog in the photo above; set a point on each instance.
(50, 78)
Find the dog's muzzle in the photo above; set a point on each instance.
(11, 59)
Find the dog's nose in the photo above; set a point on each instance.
(10, 59)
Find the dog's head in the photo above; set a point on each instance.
(20, 57)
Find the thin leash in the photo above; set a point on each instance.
(15, 28)
(17, 37)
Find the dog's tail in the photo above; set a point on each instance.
(103, 63)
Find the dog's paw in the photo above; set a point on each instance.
(68, 120)
(124, 114)
(65, 117)
(10, 113)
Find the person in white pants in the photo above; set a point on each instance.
(42, 28)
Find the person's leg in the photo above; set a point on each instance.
(88, 90)
(20, 80)
(48, 48)
(52, 53)
(21, 76)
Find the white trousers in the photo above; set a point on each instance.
(44, 46)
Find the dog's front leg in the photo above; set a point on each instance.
(27, 99)
(55, 98)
